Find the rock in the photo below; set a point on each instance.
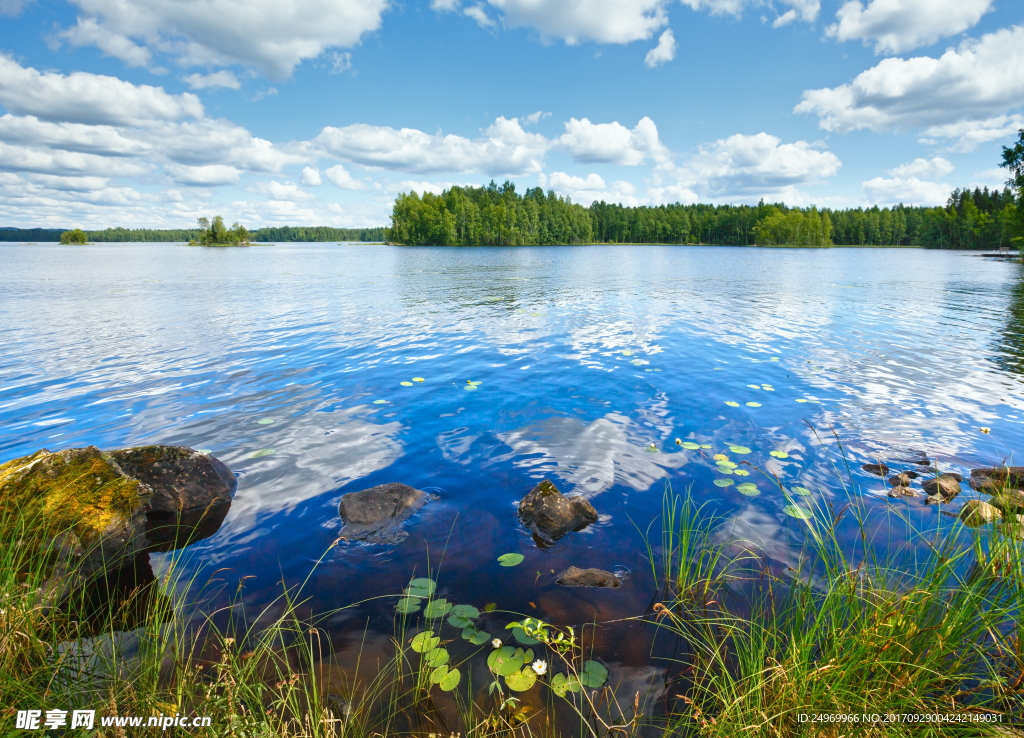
(551, 515)
(1010, 501)
(918, 457)
(902, 480)
(935, 499)
(99, 514)
(944, 484)
(976, 512)
(375, 515)
(901, 491)
(575, 577)
(877, 469)
(1012, 476)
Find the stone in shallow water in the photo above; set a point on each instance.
(551, 515)
(375, 515)
(945, 484)
(576, 577)
(1009, 501)
(878, 469)
(901, 491)
(902, 480)
(976, 512)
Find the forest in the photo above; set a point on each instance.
(275, 234)
(498, 215)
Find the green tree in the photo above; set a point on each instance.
(1013, 159)
(75, 236)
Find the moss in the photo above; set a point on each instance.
(546, 488)
(81, 489)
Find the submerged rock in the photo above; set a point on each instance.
(901, 491)
(1009, 501)
(877, 469)
(375, 515)
(904, 479)
(99, 509)
(576, 577)
(946, 485)
(551, 515)
(976, 512)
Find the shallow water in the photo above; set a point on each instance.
(586, 356)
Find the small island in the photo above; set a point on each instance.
(216, 234)
(76, 236)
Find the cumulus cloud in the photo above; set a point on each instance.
(69, 163)
(900, 25)
(203, 175)
(665, 51)
(804, 10)
(923, 169)
(82, 97)
(275, 190)
(12, 7)
(223, 78)
(574, 21)
(477, 13)
(270, 35)
(909, 191)
(340, 178)
(103, 140)
(965, 89)
(505, 148)
(744, 167)
(88, 32)
(612, 143)
(536, 117)
(592, 188)
(311, 177)
(970, 134)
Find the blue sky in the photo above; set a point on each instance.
(310, 112)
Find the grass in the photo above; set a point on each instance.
(927, 626)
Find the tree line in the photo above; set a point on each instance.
(498, 215)
(275, 234)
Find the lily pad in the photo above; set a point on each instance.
(458, 621)
(774, 358)
(741, 472)
(560, 684)
(474, 636)
(795, 511)
(637, 362)
(690, 445)
(652, 449)
(520, 635)
(705, 445)
(445, 678)
(767, 388)
(801, 400)
(748, 488)
(739, 449)
(418, 379)
(627, 352)
(727, 464)
(753, 404)
(754, 386)
(723, 482)
(470, 388)
(406, 384)
(263, 452)
(473, 384)
(424, 642)
(408, 605)
(594, 675)
(504, 661)
(779, 454)
(730, 403)
(437, 657)
(379, 402)
(437, 609)
(265, 421)
(465, 611)
(511, 559)
(802, 491)
(724, 470)
(421, 587)
(720, 457)
(522, 680)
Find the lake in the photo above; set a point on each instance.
(286, 362)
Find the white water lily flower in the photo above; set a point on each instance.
(496, 643)
(540, 666)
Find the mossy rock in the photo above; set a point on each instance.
(551, 515)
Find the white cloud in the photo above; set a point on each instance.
(909, 191)
(963, 88)
(275, 190)
(574, 21)
(105, 140)
(220, 142)
(805, 10)
(744, 167)
(505, 149)
(271, 35)
(12, 7)
(923, 169)
(591, 189)
(340, 62)
(340, 178)
(970, 134)
(223, 78)
(68, 163)
(612, 142)
(536, 117)
(442, 5)
(203, 175)
(69, 184)
(665, 51)
(478, 14)
(311, 177)
(82, 97)
(900, 25)
(88, 32)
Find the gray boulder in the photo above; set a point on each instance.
(976, 512)
(946, 485)
(375, 515)
(576, 577)
(551, 515)
(879, 469)
(902, 480)
(901, 491)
